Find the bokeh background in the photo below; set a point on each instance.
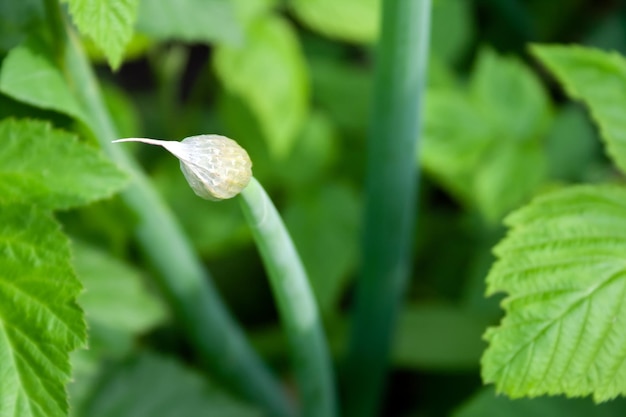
(291, 81)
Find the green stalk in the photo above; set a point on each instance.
(391, 194)
(296, 302)
(211, 330)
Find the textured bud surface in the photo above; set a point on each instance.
(215, 166)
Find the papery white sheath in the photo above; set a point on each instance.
(215, 166)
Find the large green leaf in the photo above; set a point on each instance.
(349, 20)
(40, 322)
(153, 386)
(190, 20)
(269, 73)
(50, 168)
(563, 268)
(108, 23)
(30, 75)
(599, 80)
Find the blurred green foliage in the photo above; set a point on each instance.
(291, 82)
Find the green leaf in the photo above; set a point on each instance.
(347, 20)
(437, 337)
(40, 322)
(29, 74)
(50, 168)
(487, 404)
(509, 174)
(324, 227)
(455, 140)
(108, 23)
(511, 96)
(479, 142)
(269, 73)
(562, 266)
(599, 80)
(115, 297)
(190, 20)
(153, 386)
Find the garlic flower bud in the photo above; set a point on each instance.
(215, 167)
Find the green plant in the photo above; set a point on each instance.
(387, 327)
(561, 264)
(183, 280)
(217, 168)
(390, 200)
(42, 321)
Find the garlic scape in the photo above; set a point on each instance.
(215, 167)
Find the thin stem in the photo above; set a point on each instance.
(391, 194)
(296, 302)
(217, 339)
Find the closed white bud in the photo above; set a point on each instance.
(215, 166)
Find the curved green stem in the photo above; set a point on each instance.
(391, 194)
(295, 300)
(217, 339)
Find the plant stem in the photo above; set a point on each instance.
(391, 194)
(296, 302)
(219, 342)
